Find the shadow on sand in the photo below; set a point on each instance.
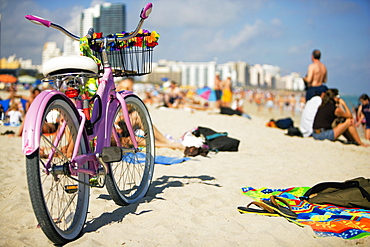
(157, 187)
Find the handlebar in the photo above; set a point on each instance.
(40, 21)
(145, 12)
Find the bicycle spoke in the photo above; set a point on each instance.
(67, 206)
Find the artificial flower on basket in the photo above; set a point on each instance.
(143, 39)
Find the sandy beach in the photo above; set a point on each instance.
(195, 203)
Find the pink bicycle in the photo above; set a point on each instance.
(73, 142)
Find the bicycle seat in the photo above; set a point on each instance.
(69, 63)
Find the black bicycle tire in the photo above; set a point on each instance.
(114, 190)
(36, 191)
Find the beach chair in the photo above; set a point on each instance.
(24, 104)
(5, 104)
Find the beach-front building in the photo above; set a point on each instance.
(293, 82)
(50, 50)
(200, 74)
(193, 74)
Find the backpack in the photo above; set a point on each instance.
(217, 141)
(284, 123)
(294, 131)
(353, 193)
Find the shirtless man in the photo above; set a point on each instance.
(218, 90)
(317, 75)
(172, 96)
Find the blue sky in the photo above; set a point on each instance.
(276, 32)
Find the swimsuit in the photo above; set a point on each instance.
(218, 94)
(366, 112)
(227, 95)
(313, 91)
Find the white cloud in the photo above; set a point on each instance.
(95, 2)
(73, 19)
(220, 42)
(276, 22)
(304, 47)
(205, 13)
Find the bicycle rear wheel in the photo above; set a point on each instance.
(60, 203)
(129, 179)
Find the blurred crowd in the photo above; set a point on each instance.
(14, 106)
(172, 95)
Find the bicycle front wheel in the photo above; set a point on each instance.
(128, 180)
(59, 200)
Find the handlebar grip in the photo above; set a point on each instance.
(38, 20)
(145, 12)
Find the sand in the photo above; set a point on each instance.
(194, 203)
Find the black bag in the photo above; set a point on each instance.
(229, 111)
(353, 193)
(218, 141)
(284, 123)
(294, 131)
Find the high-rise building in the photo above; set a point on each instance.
(107, 18)
(71, 47)
(87, 19)
(112, 18)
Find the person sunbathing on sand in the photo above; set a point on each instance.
(160, 140)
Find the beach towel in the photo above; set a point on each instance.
(162, 160)
(325, 220)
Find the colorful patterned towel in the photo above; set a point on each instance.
(325, 220)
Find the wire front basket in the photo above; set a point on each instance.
(132, 57)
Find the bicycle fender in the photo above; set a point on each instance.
(33, 120)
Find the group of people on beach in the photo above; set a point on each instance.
(172, 96)
(17, 105)
(224, 91)
(326, 116)
(291, 102)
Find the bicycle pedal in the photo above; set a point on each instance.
(111, 154)
(70, 189)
